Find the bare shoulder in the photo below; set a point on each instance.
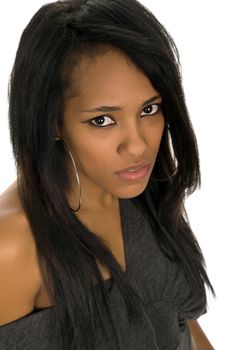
(198, 338)
(20, 278)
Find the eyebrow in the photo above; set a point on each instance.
(116, 108)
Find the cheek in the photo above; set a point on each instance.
(160, 133)
(98, 152)
(93, 154)
(154, 132)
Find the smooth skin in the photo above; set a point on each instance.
(127, 136)
(121, 138)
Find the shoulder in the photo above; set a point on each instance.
(20, 278)
(13, 223)
(198, 337)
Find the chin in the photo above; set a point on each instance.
(133, 192)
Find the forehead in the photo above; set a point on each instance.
(106, 76)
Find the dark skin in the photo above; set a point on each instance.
(134, 136)
(22, 287)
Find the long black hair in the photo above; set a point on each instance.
(55, 39)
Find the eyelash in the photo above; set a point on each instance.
(104, 116)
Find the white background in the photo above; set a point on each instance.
(203, 33)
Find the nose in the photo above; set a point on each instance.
(133, 142)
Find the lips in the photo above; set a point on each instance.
(134, 167)
(134, 173)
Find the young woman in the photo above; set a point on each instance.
(96, 250)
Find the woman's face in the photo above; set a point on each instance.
(105, 142)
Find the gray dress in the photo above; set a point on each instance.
(167, 299)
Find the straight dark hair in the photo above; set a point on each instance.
(54, 41)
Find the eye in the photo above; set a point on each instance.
(101, 121)
(152, 109)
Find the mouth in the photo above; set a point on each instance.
(134, 173)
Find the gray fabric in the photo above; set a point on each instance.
(167, 300)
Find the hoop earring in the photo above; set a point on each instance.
(75, 171)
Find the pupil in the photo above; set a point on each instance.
(100, 120)
(149, 107)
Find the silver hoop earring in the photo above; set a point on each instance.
(75, 171)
